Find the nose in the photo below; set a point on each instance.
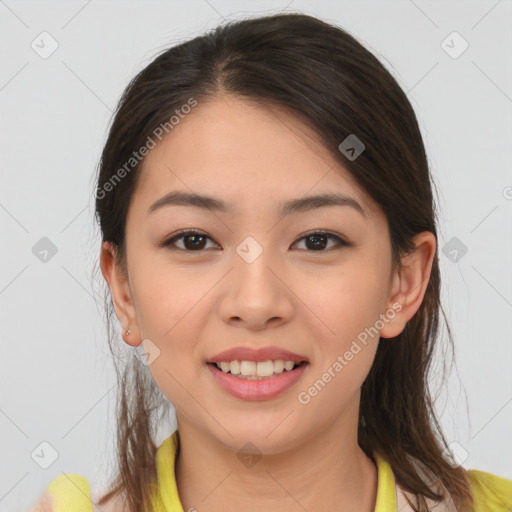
(255, 295)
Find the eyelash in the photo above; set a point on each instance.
(168, 243)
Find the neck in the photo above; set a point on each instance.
(326, 472)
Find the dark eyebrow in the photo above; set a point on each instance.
(302, 204)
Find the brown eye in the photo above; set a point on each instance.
(318, 241)
(193, 241)
(196, 241)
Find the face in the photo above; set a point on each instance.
(314, 281)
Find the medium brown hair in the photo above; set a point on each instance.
(325, 77)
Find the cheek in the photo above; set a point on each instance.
(167, 299)
(335, 387)
(171, 316)
(171, 312)
(343, 301)
(349, 307)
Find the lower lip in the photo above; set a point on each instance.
(263, 389)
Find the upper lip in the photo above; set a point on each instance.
(259, 354)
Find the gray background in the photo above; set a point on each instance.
(57, 382)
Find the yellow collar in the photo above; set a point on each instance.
(165, 458)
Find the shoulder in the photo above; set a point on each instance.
(72, 492)
(45, 504)
(492, 493)
(64, 493)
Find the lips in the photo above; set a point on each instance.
(260, 354)
(264, 389)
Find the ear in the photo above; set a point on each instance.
(410, 283)
(117, 281)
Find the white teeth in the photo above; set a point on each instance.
(279, 366)
(253, 369)
(234, 367)
(264, 368)
(247, 367)
(288, 365)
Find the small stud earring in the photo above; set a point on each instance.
(128, 331)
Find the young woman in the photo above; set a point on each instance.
(269, 242)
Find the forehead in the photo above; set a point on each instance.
(247, 153)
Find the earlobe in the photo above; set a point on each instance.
(410, 283)
(121, 295)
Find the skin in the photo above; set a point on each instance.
(314, 302)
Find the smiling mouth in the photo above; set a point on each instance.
(252, 370)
